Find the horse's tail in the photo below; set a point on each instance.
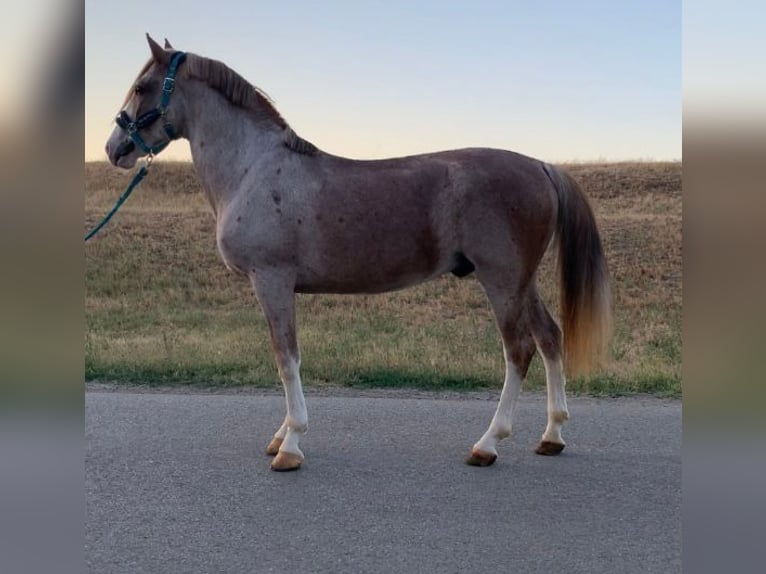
(586, 302)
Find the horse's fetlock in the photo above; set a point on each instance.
(297, 426)
(560, 417)
(502, 432)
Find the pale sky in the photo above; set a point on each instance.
(561, 81)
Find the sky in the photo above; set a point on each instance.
(560, 81)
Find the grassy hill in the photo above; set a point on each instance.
(161, 308)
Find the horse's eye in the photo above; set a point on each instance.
(139, 89)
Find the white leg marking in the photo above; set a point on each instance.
(276, 295)
(557, 400)
(296, 421)
(502, 422)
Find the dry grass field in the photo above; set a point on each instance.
(161, 308)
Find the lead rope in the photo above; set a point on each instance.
(133, 184)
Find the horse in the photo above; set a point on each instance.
(295, 219)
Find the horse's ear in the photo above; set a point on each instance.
(160, 56)
(167, 45)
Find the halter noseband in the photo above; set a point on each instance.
(147, 119)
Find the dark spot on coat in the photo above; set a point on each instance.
(276, 197)
(279, 211)
(300, 221)
(247, 169)
(341, 220)
(201, 144)
(239, 218)
(279, 170)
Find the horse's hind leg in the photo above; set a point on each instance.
(548, 338)
(518, 349)
(277, 300)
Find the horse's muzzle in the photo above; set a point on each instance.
(125, 148)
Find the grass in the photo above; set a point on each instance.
(161, 308)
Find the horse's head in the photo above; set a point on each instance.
(148, 120)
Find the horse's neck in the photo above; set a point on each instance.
(227, 143)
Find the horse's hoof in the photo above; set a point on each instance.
(286, 461)
(548, 448)
(480, 458)
(273, 447)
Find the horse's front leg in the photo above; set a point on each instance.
(277, 298)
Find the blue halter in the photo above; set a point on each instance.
(149, 118)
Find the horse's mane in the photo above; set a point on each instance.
(243, 94)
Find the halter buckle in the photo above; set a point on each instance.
(168, 85)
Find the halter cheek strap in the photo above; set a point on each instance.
(149, 118)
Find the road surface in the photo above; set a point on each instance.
(179, 483)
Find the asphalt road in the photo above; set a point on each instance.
(179, 483)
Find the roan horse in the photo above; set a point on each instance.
(295, 219)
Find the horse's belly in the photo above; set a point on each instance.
(357, 272)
